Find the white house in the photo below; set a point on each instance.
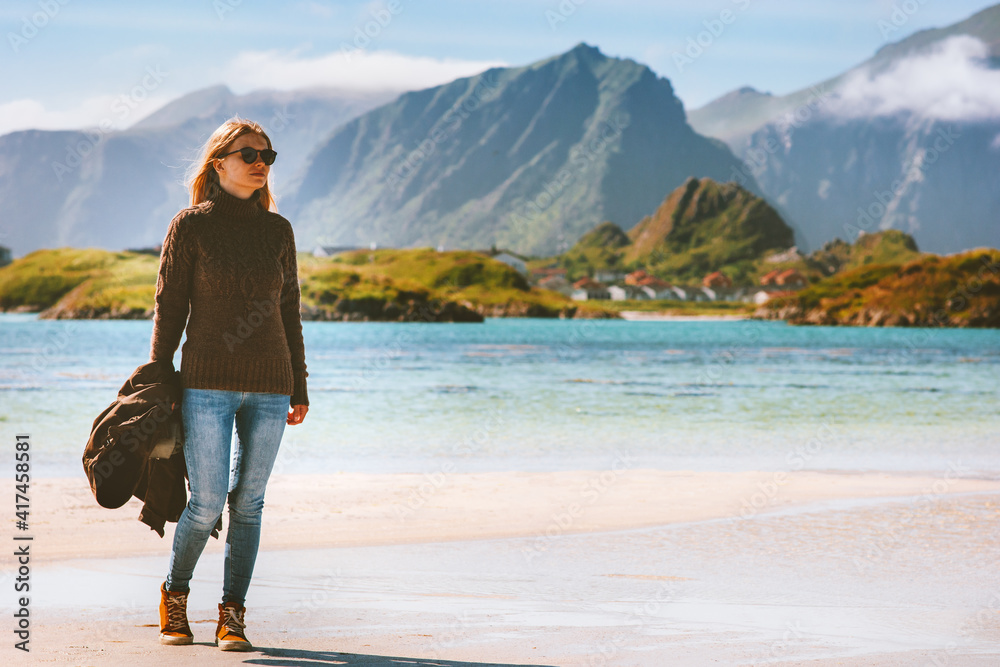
(723, 293)
(764, 295)
(622, 293)
(689, 293)
(587, 289)
(662, 293)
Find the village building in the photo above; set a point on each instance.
(791, 278)
(770, 278)
(717, 279)
(538, 275)
(556, 283)
(588, 289)
(627, 292)
(636, 277)
(656, 288)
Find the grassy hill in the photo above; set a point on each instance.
(961, 290)
(412, 285)
(702, 226)
(391, 278)
(91, 282)
(887, 247)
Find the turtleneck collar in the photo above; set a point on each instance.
(230, 206)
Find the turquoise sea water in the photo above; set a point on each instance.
(528, 394)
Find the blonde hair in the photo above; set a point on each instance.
(203, 180)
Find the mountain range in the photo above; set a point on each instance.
(526, 158)
(907, 140)
(118, 190)
(530, 158)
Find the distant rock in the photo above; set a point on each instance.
(700, 227)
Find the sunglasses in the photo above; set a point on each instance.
(249, 155)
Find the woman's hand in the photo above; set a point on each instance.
(297, 414)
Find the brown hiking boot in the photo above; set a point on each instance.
(229, 633)
(174, 628)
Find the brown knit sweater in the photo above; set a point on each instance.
(232, 265)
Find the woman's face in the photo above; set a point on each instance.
(236, 176)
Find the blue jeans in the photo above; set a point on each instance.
(208, 416)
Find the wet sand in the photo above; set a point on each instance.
(620, 567)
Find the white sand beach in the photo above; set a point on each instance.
(647, 316)
(614, 567)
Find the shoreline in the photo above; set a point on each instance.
(644, 316)
(623, 566)
(309, 511)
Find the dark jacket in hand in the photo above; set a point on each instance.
(135, 448)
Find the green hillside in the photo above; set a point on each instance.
(95, 283)
(887, 247)
(960, 290)
(388, 279)
(417, 285)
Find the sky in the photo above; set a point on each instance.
(80, 63)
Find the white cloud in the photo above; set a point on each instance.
(350, 68)
(950, 83)
(108, 112)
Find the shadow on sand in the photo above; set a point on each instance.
(277, 657)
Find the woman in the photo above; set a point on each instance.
(231, 260)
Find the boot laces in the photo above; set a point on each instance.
(234, 619)
(177, 610)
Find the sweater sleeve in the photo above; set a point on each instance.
(173, 292)
(292, 320)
